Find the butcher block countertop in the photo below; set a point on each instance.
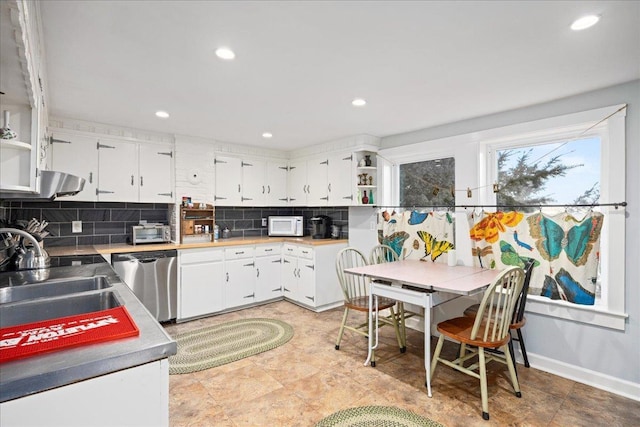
(234, 241)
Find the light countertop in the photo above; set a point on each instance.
(234, 241)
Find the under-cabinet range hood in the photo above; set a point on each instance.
(52, 184)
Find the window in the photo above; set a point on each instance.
(427, 183)
(574, 159)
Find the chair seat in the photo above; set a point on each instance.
(362, 303)
(460, 328)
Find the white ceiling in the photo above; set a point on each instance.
(299, 64)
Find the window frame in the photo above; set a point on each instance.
(609, 312)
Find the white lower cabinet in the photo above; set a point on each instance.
(220, 279)
(201, 282)
(268, 272)
(309, 277)
(240, 276)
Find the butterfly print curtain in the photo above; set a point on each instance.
(566, 250)
(417, 235)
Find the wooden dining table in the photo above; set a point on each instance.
(425, 284)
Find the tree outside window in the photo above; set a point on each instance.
(428, 183)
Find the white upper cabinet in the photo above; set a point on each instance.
(155, 164)
(228, 181)
(340, 178)
(317, 181)
(117, 171)
(254, 185)
(297, 185)
(66, 150)
(277, 173)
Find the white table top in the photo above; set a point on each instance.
(430, 275)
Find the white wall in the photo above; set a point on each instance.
(594, 355)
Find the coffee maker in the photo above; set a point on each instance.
(320, 227)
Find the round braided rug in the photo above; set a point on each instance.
(220, 344)
(376, 416)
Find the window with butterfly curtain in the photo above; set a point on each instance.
(417, 234)
(565, 247)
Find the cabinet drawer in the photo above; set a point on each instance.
(305, 252)
(239, 252)
(264, 250)
(289, 249)
(193, 256)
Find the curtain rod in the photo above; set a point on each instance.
(575, 205)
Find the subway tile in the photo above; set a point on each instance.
(59, 241)
(111, 205)
(78, 205)
(233, 214)
(252, 233)
(119, 239)
(252, 213)
(95, 215)
(155, 216)
(24, 215)
(60, 215)
(125, 215)
(243, 224)
(109, 228)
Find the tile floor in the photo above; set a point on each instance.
(306, 379)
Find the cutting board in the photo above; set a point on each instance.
(46, 336)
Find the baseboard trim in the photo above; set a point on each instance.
(585, 376)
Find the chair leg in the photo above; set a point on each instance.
(483, 383)
(512, 371)
(344, 322)
(513, 354)
(394, 318)
(436, 355)
(403, 328)
(522, 348)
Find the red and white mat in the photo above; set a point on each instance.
(36, 338)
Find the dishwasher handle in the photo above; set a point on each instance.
(147, 260)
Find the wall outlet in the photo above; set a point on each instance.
(264, 222)
(76, 226)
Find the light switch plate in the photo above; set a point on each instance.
(264, 222)
(76, 226)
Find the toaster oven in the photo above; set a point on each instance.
(150, 233)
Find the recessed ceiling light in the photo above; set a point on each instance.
(358, 102)
(585, 22)
(267, 135)
(225, 53)
(162, 114)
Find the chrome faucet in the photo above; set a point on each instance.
(29, 261)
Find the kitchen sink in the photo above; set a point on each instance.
(38, 310)
(53, 288)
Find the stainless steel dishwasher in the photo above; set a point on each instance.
(153, 278)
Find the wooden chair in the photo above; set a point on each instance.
(518, 320)
(356, 297)
(488, 330)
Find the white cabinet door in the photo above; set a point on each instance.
(201, 289)
(297, 184)
(240, 282)
(317, 184)
(268, 277)
(290, 277)
(117, 171)
(77, 155)
(341, 178)
(228, 181)
(277, 173)
(306, 282)
(156, 172)
(254, 186)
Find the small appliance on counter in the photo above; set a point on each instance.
(336, 231)
(320, 227)
(150, 233)
(286, 226)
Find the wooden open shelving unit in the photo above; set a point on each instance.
(194, 222)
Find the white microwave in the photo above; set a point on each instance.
(286, 226)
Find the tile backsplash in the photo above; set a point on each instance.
(110, 222)
(102, 222)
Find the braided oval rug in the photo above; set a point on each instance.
(376, 416)
(227, 342)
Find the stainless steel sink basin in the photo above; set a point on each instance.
(53, 308)
(53, 288)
